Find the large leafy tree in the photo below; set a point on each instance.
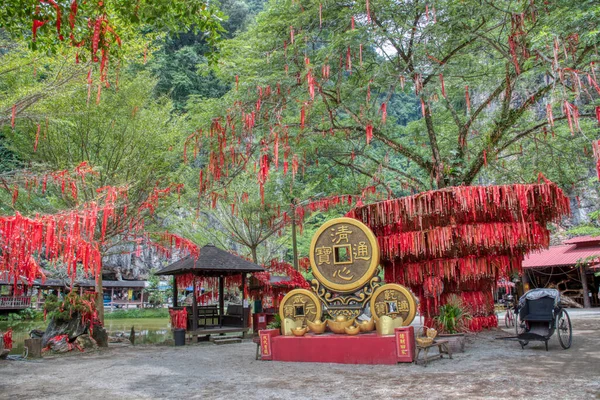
(419, 95)
(131, 140)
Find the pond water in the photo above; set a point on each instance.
(147, 330)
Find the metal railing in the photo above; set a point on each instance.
(15, 301)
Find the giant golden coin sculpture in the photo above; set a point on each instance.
(344, 257)
(394, 301)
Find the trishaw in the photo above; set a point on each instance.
(538, 315)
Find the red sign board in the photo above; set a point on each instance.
(405, 344)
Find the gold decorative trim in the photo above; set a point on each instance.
(349, 305)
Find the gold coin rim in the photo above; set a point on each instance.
(404, 290)
(301, 291)
(346, 288)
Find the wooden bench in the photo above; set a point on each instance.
(208, 316)
(235, 315)
(442, 346)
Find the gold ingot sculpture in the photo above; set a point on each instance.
(351, 330)
(299, 331)
(367, 326)
(289, 325)
(340, 323)
(317, 327)
(386, 325)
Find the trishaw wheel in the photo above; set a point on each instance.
(564, 330)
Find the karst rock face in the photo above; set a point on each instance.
(126, 262)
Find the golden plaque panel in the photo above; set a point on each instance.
(344, 254)
(394, 301)
(300, 305)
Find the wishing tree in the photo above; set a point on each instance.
(462, 240)
(74, 240)
(414, 95)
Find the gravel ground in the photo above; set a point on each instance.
(488, 369)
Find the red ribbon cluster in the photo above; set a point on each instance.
(178, 318)
(7, 338)
(293, 280)
(460, 240)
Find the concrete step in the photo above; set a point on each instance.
(228, 340)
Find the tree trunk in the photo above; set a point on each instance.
(254, 257)
(294, 240)
(100, 298)
(584, 285)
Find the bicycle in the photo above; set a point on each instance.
(509, 317)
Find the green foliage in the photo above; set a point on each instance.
(124, 18)
(276, 323)
(499, 139)
(71, 305)
(156, 297)
(138, 313)
(27, 314)
(453, 316)
(584, 230)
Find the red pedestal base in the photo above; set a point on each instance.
(366, 348)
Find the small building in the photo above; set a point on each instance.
(561, 267)
(117, 294)
(217, 265)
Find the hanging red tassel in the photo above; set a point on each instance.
(320, 15)
(442, 82)
(302, 116)
(369, 132)
(567, 108)
(348, 60)
(383, 111)
(37, 138)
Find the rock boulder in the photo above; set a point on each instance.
(72, 328)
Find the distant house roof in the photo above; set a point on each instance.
(58, 283)
(568, 254)
(113, 284)
(583, 239)
(212, 261)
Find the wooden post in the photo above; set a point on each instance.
(221, 299)
(34, 348)
(243, 300)
(142, 299)
(174, 291)
(112, 298)
(584, 285)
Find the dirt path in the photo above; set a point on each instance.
(489, 369)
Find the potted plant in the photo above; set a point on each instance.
(452, 322)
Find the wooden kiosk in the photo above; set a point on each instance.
(213, 263)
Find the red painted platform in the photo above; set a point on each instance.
(365, 348)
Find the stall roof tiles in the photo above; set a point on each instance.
(563, 255)
(212, 261)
